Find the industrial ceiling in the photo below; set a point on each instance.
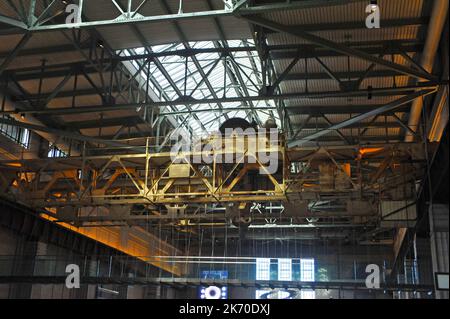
(127, 71)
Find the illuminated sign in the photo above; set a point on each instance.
(214, 292)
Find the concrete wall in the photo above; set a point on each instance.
(20, 256)
(7, 248)
(30, 246)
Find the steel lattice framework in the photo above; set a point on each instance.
(171, 186)
(122, 76)
(254, 81)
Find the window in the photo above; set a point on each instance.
(18, 135)
(308, 294)
(307, 270)
(222, 81)
(55, 152)
(262, 269)
(285, 269)
(285, 273)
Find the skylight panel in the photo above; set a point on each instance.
(235, 76)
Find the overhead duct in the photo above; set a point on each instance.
(435, 28)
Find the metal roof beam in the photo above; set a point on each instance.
(388, 107)
(390, 91)
(394, 47)
(319, 126)
(280, 52)
(277, 53)
(313, 111)
(120, 121)
(329, 72)
(235, 77)
(388, 23)
(240, 10)
(12, 55)
(18, 27)
(65, 133)
(59, 73)
(316, 110)
(64, 94)
(340, 75)
(164, 94)
(162, 69)
(197, 64)
(338, 47)
(331, 125)
(13, 22)
(324, 139)
(134, 21)
(284, 74)
(291, 5)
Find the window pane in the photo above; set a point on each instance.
(55, 152)
(19, 135)
(262, 269)
(285, 269)
(307, 270)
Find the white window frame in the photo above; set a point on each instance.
(307, 274)
(263, 269)
(284, 269)
(307, 270)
